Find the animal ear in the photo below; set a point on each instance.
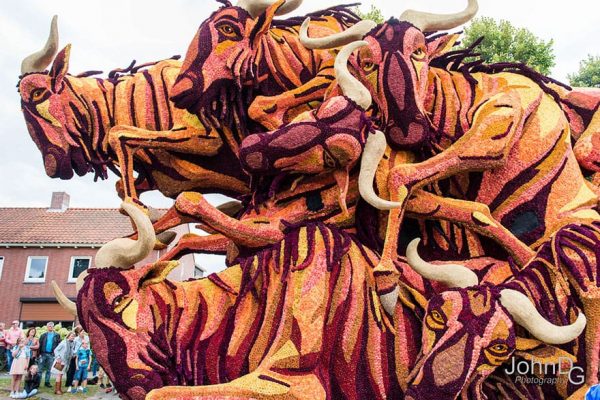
(60, 67)
(535, 350)
(264, 21)
(157, 272)
(442, 45)
(412, 299)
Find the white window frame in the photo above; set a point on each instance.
(72, 267)
(35, 280)
(1, 266)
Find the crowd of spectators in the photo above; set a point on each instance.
(29, 359)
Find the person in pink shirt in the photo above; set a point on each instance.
(3, 355)
(11, 337)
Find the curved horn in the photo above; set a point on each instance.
(525, 314)
(39, 60)
(123, 252)
(80, 281)
(428, 22)
(372, 155)
(354, 33)
(257, 7)
(453, 275)
(351, 86)
(388, 301)
(63, 300)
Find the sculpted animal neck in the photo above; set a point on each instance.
(90, 115)
(197, 321)
(446, 106)
(282, 61)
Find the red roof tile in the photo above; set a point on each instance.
(72, 226)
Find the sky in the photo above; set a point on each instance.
(111, 33)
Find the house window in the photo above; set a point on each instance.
(1, 265)
(78, 265)
(36, 269)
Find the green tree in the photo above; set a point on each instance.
(504, 42)
(374, 14)
(588, 74)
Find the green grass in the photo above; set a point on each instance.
(44, 392)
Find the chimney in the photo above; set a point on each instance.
(60, 202)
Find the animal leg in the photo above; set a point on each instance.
(486, 145)
(192, 243)
(256, 385)
(141, 186)
(274, 111)
(170, 219)
(249, 233)
(587, 147)
(125, 141)
(473, 215)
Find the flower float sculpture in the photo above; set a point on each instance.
(342, 140)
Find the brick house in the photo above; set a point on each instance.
(38, 245)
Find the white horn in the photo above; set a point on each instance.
(453, 275)
(123, 252)
(354, 33)
(372, 155)
(257, 7)
(428, 22)
(389, 301)
(525, 314)
(80, 281)
(63, 300)
(351, 86)
(39, 60)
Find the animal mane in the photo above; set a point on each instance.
(468, 62)
(343, 13)
(131, 69)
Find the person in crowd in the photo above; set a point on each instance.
(20, 355)
(83, 361)
(95, 366)
(62, 356)
(79, 338)
(82, 336)
(48, 342)
(593, 393)
(11, 337)
(3, 355)
(32, 383)
(33, 344)
(104, 380)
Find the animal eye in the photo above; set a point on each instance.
(499, 348)
(368, 66)
(419, 54)
(437, 317)
(37, 94)
(117, 301)
(227, 30)
(435, 320)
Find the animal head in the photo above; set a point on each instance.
(221, 55)
(51, 120)
(129, 311)
(395, 67)
(470, 330)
